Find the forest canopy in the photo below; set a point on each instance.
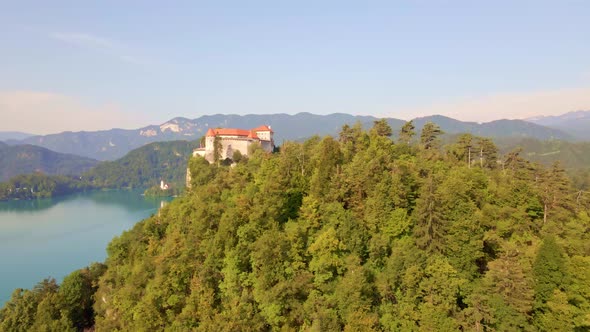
(356, 233)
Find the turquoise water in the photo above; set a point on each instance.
(53, 237)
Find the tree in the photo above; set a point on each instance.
(352, 140)
(554, 188)
(463, 149)
(510, 291)
(440, 289)
(381, 128)
(559, 314)
(237, 156)
(327, 158)
(488, 153)
(407, 132)
(429, 136)
(217, 150)
(429, 230)
(548, 272)
(346, 134)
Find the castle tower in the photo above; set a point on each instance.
(209, 140)
(265, 134)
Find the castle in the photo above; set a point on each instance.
(231, 140)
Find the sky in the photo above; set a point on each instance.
(90, 65)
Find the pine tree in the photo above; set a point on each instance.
(407, 132)
(548, 272)
(381, 128)
(429, 230)
(429, 136)
(554, 187)
(487, 153)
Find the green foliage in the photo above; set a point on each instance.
(548, 271)
(407, 132)
(141, 168)
(381, 128)
(26, 159)
(37, 185)
(52, 307)
(354, 234)
(145, 166)
(156, 191)
(429, 136)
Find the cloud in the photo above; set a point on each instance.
(506, 106)
(84, 40)
(103, 45)
(45, 113)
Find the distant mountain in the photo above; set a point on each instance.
(106, 144)
(576, 124)
(25, 159)
(448, 125)
(494, 129)
(145, 166)
(13, 135)
(115, 143)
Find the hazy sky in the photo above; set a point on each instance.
(87, 65)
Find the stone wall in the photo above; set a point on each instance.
(230, 145)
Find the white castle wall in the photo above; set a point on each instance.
(229, 146)
(232, 143)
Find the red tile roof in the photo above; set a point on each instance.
(252, 134)
(210, 132)
(263, 128)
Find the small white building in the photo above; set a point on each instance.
(232, 140)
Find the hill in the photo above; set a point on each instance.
(115, 143)
(576, 123)
(361, 235)
(571, 155)
(25, 159)
(144, 166)
(494, 129)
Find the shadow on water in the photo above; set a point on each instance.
(130, 200)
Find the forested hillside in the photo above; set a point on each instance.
(145, 166)
(357, 233)
(37, 185)
(26, 159)
(572, 155)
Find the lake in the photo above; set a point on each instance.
(53, 237)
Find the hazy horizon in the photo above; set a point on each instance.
(131, 127)
(70, 66)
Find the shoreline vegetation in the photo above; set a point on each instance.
(139, 169)
(30, 187)
(354, 233)
(40, 186)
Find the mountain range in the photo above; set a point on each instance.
(576, 123)
(115, 143)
